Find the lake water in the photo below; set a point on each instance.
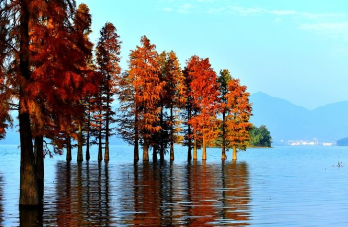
(283, 186)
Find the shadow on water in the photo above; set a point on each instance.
(82, 194)
(193, 195)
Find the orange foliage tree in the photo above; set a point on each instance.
(144, 72)
(238, 116)
(204, 93)
(107, 56)
(171, 101)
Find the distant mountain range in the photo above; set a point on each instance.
(287, 121)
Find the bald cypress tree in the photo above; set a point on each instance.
(107, 58)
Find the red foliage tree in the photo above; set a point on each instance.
(51, 79)
(204, 93)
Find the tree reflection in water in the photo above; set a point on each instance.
(82, 194)
(194, 194)
(160, 194)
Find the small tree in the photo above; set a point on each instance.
(238, 115)
(260, 137)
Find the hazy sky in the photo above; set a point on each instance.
(296, 49)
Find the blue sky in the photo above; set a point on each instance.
(296, 50)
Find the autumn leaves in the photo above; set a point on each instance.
(63, 93)
(166, 98)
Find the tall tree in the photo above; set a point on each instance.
(51, 78)
(108, 58)
(224, 78)
(204, 92)
(189, 111)
(173, 99)
(238, 116)
(145, 70)
(29, 194)
(128, 113)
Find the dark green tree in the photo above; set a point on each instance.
(260, 137)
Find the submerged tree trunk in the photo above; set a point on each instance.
(171, 135)
(204, 154)
(161, 136)
(234, 153)
(223, 146)
(88, 156)
(136, 138)
(29, 195)
(146, 151)
(68, 149)
(194, 148)
(189, 145)
(154, 154)
(40, 168)
(79, 145)
(100, 146)
(107, 128)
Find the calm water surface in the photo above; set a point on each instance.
(283, 186)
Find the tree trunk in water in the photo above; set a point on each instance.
(88, 155)
(79, 145)
(223, 155)
(29, 195)
(40, 168)
(154, 154)
(136, 138)
(136, 151)
(194, 148)
(204, 154)
(171, 135)
(146, 151)
(100, 147)
(189, 145)
(234, 153)
(162, 135)
(189, 153)
(107, 128)
(68, 149)
(106, 155)
(161, 154)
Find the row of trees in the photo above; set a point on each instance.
(63, 91)
(161, 104)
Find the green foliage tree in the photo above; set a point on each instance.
(260, 137)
